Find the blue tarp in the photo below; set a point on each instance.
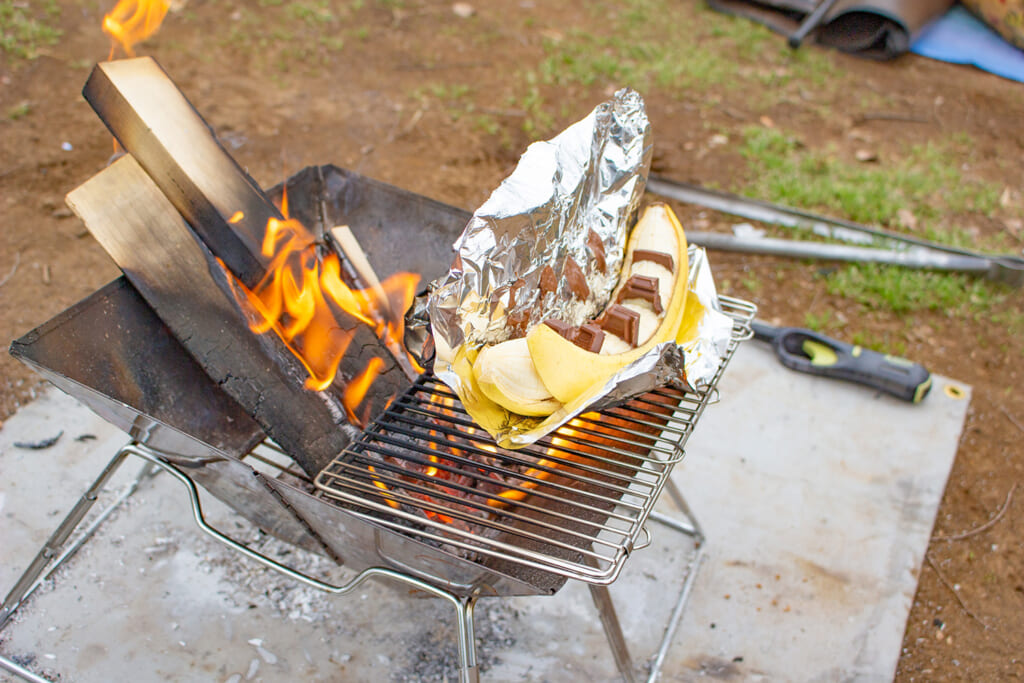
(961, 38)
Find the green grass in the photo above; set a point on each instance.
(26, 27)
(927, 180)
(821, 322)
(924, 179)
(19, 111)
(645, 48)
(902, 290)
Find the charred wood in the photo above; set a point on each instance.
(191, 292)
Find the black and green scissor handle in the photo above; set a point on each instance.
(807, 351)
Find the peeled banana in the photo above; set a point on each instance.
(555, 363)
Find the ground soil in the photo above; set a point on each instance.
(356, 108)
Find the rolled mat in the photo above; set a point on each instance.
(875, 29)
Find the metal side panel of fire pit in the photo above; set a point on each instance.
(400, 231)
(111, 352)
(361, 544)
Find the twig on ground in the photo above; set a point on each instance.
(952, 590)
(14, 269)
(1012, 419)
(892, 116)
(984, 527)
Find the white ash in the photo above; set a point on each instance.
(248, 583)
(435, 654)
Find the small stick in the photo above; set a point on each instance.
(1012, 419)
(956, 595)
(356, 257)
(987, 525)
(353, 253)
(892, 116)
(13, 270)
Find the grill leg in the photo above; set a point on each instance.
(469, 672)
(691, 528)
(30, 579)
(612, 629)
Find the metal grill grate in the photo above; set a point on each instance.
(574, 503)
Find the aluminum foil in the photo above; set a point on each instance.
(589, 177)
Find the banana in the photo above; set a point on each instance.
(567, 370)
(505, 374)
(554, 364)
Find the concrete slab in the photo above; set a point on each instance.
(818, 499)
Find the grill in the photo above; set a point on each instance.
(419, 495)
(573, 504)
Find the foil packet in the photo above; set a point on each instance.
(583, 185)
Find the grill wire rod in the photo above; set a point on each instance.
(638, 509)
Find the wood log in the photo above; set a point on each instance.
(154, 122)
(159, 127)
(178, 276)
(177, 149)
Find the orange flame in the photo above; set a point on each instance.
(300, 299)
(132, 21)
(357, 388)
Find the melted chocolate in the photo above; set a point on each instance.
(661, 258)
(596, 246)
(588, 337)
(623, 322)
(548, 281)
(642, 287)
(563, 328)
(576, 280)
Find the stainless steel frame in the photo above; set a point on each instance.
(583, 510)
(54, 553)
(597, 569)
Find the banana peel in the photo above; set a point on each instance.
(569, 371)
(512, 429)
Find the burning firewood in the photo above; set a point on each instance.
(259, 303)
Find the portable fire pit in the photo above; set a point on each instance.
(371, 461)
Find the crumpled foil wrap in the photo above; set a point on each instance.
(589, 177)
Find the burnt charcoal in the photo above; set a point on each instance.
(39, 445)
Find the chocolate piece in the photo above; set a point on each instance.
(589, 337)
(576, 280)
(516, 323)
(548, 282)
(513, 292)
(562, 328)
(596, 246)
(661, 258)
(642, 287)
(623, 322)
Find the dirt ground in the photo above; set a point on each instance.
(364, 106)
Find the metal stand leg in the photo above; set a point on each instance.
(468, 669)
(606, 609)
(33, 576)
(613, 631)
(30, 579)
(464, 606)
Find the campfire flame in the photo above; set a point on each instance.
(301, 297)
(132, 21)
